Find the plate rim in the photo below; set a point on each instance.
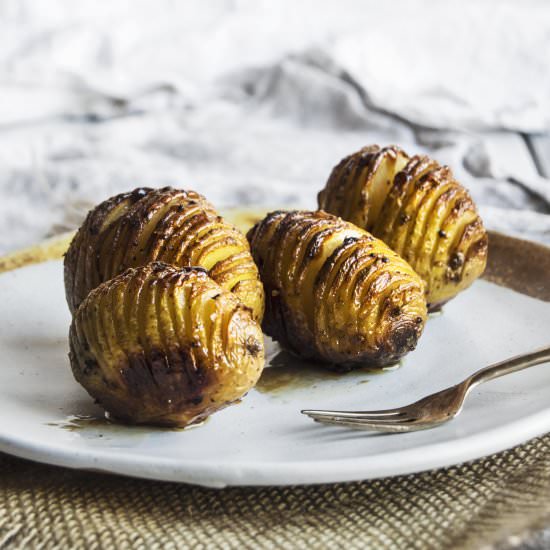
(200, 472)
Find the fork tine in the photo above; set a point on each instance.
(372, 426)
(362, 419)
(386, 414)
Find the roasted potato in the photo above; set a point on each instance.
(165, 346)
(334, 292)
(177, 227)
(418, 209)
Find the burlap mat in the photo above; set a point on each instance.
(470, 506)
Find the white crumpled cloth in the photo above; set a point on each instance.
(252, 102)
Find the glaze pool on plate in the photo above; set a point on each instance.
(265, 439)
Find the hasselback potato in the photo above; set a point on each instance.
(418, 209)
(165, 346)
(177, 227)
(334, 292)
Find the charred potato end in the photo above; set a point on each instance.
(164, 346)
(334, 292)
(418, 209)
(177, 227)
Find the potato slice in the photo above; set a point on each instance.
(178, 227)
(418, 209)
(334, 292)
(164, 346)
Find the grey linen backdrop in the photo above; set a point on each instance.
(252, 102)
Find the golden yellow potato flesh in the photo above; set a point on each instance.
(177, 227)
(418, 209)
(164, 346)
(334, 292)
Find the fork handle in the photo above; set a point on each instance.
(508, 366)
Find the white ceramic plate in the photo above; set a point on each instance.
(265, 439)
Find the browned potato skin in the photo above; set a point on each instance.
(164, 346)
(334, 292)
(177, 227)
(418, 209)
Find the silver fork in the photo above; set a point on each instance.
(432, 410)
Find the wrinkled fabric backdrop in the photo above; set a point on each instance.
(252, 102)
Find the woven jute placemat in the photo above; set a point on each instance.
(476, 505)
